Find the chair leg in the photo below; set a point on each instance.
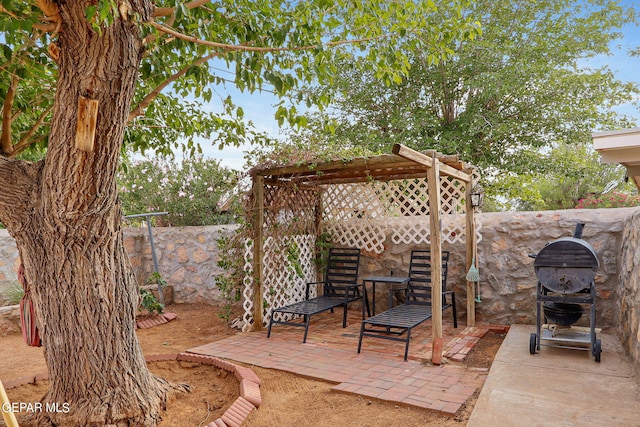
(270, 324)
(360, 339)
(307, 320)
(455, 314)
(344, 315)
(406, 347)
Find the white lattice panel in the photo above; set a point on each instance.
(367, 235)
(281, 283)
(247, 292)
(352, 201)
(360, 215)
(410, 231)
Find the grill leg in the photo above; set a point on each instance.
(538, 317)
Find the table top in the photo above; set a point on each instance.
(387, 279)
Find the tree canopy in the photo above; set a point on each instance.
(501, 100)
(190, 47)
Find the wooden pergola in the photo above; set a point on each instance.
(403, 163)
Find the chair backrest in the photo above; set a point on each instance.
(419, 289)
(342, 270)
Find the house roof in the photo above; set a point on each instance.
(620, 146)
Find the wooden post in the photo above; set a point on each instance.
(471, 253)
(87, 122)
(318, 231)
(258, 249)
(5, 407)
(433, 185)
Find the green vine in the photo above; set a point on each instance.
(149, 302)
(230, 284)
(323, 244)
(293, 257)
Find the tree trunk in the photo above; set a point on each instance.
(66, 220)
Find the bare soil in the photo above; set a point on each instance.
(287, 399)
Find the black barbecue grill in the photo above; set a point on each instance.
(566, 270)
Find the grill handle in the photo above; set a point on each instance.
(578, 231)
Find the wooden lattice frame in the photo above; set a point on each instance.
(360, 197)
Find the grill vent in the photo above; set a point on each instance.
(567, 252)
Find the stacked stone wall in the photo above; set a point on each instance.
(628, 291)
(507, 277)
(508, 282)
(8, 261)
(188, 260)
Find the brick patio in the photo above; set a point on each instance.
(378, 372)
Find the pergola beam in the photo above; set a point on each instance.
(427, 161)
(403, 163)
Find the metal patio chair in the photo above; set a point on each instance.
(416, 308)
(340, 288)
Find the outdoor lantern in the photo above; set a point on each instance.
(477, 196)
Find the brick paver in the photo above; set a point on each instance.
(379, 371)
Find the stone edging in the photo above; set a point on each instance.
(249, 399)
(10, 311)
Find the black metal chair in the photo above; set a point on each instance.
(340, 288)
(420, 274)
(416, 308)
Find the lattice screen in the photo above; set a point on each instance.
(282, 283)
(360, 215)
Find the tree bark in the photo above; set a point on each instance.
(66, 220)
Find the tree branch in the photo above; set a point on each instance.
(168, 11)
(26, 140)
(231, 47)
(5, 138)
(17, 179)
(8, 12)
(139, 109)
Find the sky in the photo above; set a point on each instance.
(258, 107)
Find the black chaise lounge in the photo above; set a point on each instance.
(340, 287)
(416, 308)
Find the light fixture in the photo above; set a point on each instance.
(477, 196)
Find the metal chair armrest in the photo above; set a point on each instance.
(306, 291)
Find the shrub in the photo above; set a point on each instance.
(12, 294)
(608, 200)
(190, 191)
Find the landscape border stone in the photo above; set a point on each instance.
(250, 397)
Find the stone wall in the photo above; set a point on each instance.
(187, 259)
(507, 278)
(628, 291)
(8, 261)
(508, 281)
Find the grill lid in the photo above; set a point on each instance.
(567, 252)
(566, 265)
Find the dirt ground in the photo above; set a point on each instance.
(287, 399)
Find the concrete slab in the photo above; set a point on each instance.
(557, 387)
